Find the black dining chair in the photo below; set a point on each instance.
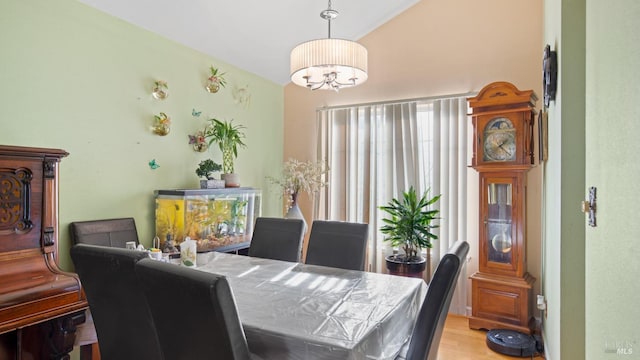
(121, 314)
(194, 312)
(338, 244)
(278, 239)
(425, 338)
(104, 232)
(107, 232)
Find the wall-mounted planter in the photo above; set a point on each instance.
(215, 81)
(198, 141)
(160, 90)
(212, 86)
(162, 125)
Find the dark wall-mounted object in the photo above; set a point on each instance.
(549, 75)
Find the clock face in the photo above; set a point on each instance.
(499, 140)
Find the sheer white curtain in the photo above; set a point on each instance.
(376, 152)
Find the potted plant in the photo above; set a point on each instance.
(162, 125)
(160, 90)
(228, 137)
(198, 141)
(409, 228)
(205, 170)
(216, 80)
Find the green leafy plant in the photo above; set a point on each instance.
(228, 137)
(410, 224)
(207, 167)
(161, 84)
(217, 76)
(162, 125)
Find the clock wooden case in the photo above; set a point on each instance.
(502, 118)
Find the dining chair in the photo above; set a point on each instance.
(107, 232)
(278, 239)
(338, 244)
(121, 314)
(425, 338)
(194, 312)
(104, 232)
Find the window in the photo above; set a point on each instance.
(376, 152)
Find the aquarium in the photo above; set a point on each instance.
(217, 219)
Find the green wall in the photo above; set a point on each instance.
(563, 279)
(612, 147)
(74, 78)
(590, 273)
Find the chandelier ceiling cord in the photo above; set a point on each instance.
(329, 64)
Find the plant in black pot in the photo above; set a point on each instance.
(409, 227)
(205, 170)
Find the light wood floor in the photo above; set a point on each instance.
(458, 342)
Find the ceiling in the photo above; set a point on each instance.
(254, 35)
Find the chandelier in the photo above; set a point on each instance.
(329, 64)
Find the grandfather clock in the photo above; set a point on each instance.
(503, 118)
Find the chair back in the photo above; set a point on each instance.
(338, 244)
(108, 232)
(427, 332)
(278, 239)
(194, 311)
(121, 315)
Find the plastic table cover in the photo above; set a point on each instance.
(297, 311)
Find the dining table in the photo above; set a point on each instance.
(296, 311)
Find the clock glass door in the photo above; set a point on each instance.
(499, 224)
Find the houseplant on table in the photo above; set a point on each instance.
(228, 137)
(205, 170)
(409, 228)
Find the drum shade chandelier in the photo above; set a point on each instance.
(329, 64)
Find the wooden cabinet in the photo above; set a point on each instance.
(40, 304)
(502, 119)
(501, 302)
